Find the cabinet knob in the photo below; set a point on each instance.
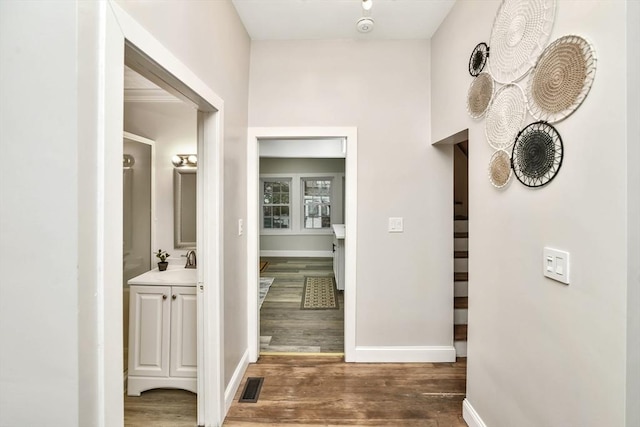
(164, 297)
(173, 297)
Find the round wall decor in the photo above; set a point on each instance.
(537, 154)
(505, 116)
(478, 59)
(561, 79)
(500, 168)
(479, 95)
(520, 31)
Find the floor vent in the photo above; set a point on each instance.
(251, 390)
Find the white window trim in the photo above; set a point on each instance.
(296, 212)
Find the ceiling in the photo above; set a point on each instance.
(336, 19)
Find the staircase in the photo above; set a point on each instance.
(460, 283)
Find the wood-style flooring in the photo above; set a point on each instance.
(161, 408)
(323, 390)
(284, 326)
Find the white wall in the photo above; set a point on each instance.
(404, 289)
(209, 38)
(541, 353)
(173, 126)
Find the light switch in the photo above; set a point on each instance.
(395, 225)
(240, 227)
(556, 265)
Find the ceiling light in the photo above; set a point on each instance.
(364, 25)
(367, 4)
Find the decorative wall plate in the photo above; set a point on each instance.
(537, 154)
(479, 95)
(505, 116)
(500, 169)
(478, 59)
(561, 79)
(520, 31)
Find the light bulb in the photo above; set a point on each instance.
(193, 159)
(367, 4)
(176, 160)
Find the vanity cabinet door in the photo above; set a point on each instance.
(149, 317)
(183, 332)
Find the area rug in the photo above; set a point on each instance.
(263, 266)
(319, 294)
(265, 284)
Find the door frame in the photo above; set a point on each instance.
(120, 36)
(255, 134)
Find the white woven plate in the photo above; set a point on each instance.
(505, 117)
(520, 31)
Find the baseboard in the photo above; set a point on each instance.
(470, 415)
(300, 254)
(235, 381)
(405, 354)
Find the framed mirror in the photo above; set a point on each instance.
(184, 208)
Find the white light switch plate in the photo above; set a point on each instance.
(555, 265)
(395, 225)
(240, 227)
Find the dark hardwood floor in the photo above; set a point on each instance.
(284, 326)
(311, 390)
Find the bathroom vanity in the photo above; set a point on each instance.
(162, 330)
(338, 255)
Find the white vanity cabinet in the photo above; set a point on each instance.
(338, 255)
(162, 337)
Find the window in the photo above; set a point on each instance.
(316, 199)
(276, 203)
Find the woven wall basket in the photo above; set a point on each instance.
(505, 116)
(500, 169)
(561, 79)
(537, 154)
(478, 59)
(520, 31)
(479, 95)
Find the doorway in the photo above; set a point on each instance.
(348, 147)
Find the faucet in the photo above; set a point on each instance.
(191, 259)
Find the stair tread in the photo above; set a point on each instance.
(461, 254)
(461, 217)
(461, 277)
(460, 332)
(461, 235)
(461, 302)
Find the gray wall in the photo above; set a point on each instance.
(404, 290)
(297, 243)
(541, 353)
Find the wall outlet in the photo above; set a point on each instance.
(396, 225)
(555, 265)
(240, 227)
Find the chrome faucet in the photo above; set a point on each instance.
(191, 259)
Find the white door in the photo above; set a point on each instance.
(183, 332)
(149, 339)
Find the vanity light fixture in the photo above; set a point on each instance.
(185, 160)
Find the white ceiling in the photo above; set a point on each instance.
(336, 19)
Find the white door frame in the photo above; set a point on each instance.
(255, 134)
(120, 33)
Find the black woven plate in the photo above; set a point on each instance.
(478, 59)
(537, 154)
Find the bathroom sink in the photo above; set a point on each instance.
(174, 275)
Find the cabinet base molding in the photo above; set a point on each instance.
(136, 385)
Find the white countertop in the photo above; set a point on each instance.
(174, 275)
(338, 230)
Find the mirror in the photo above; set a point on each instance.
(184, 208)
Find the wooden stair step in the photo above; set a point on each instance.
(461, 277)
(460, 332)
(461, 254)
(461, 302)
(460, 235)
(460, 217)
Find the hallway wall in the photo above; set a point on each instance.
(542, 353)
(404, 289)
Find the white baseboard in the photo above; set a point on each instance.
(294, 254)
(235, 381)
(470, 415)
(405, 354)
